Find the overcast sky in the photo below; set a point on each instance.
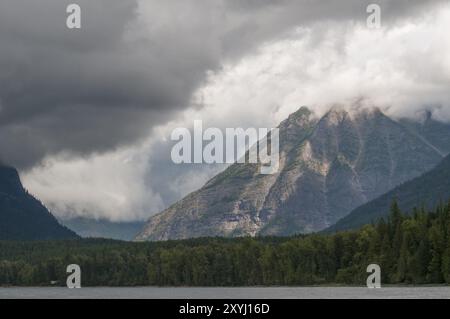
(86, 115)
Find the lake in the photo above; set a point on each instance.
(442, 292)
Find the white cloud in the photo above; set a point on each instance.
(109, 186)
(403, 68)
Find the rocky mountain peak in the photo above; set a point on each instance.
(329, 166)
(10, 181)
(301, 115)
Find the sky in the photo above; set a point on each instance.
(86, 115)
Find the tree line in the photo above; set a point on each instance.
(410, 249)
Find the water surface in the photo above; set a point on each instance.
(228, 293)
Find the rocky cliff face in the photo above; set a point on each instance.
(328, 167)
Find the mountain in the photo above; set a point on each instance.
(434, 131)
(22, 217)
(427, 191)
(92, 228)
(328, 167)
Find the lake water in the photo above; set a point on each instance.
(228, 293)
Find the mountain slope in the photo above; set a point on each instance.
(22, 217)
(328, 167)
(432, 131)
(426, 191)
(92, 228)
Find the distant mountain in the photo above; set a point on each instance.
(435, 132)
(426, 191)
(22, 217)
(328, 167)
(92, 228)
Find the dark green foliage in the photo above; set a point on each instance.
(410, 250)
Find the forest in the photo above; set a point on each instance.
(411, 248)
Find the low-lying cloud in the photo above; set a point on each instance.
(76, 107)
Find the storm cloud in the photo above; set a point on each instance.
(133, 64)
(85, 114)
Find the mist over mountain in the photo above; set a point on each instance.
(328, 167)
(23, 217)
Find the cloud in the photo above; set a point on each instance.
(74, 106)
(109, 186)
(132, 66)
(404, 68)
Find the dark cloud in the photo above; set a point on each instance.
(87, 90)
(131, 66)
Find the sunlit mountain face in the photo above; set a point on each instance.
(329, 166)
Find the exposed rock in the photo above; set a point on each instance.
(328, 167)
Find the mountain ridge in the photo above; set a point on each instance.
(328, 167)
(22, 216)
(101, 228)
(426, 191)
